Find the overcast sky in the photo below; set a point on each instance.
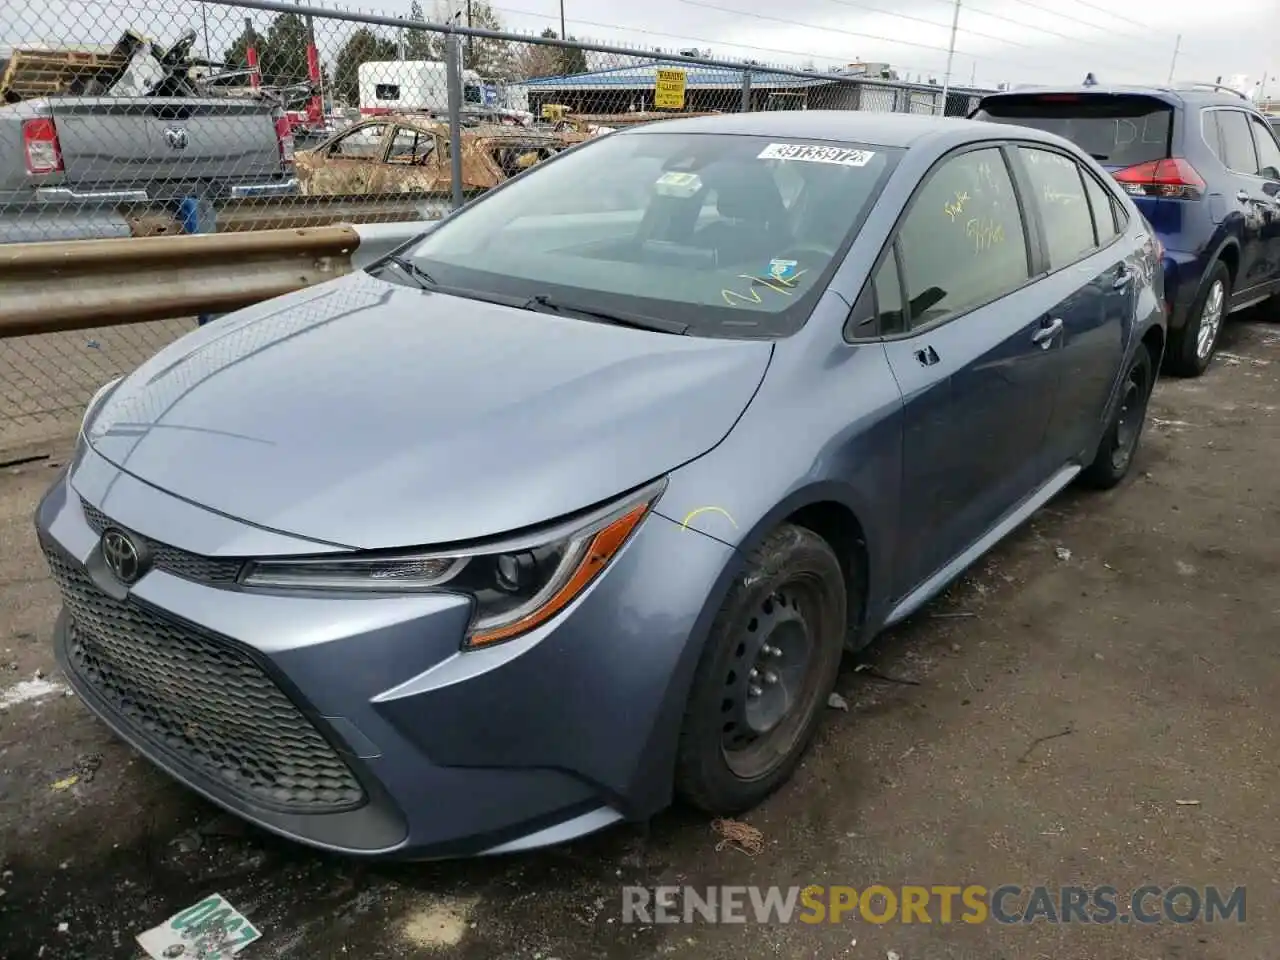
(998, 40)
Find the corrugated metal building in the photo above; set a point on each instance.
(621, 89)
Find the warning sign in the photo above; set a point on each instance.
(669, 94)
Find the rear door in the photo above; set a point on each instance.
(1264, 139)
(976, 362)
(1091, 285)
(1246, 201)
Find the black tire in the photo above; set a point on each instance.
(1120, 441)
(785, 618)
(1184, 357)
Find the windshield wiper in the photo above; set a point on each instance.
(420, 276)
(544, 304)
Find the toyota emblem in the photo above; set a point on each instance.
(175, 137)
(121, 556)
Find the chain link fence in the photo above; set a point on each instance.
(127, 118)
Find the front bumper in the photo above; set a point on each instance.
(355, 724)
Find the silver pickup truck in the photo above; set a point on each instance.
(68, 163)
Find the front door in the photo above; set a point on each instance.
(977, 365)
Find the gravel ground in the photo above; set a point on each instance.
(1094, 711)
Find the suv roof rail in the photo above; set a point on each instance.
(1201, 85)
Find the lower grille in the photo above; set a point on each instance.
(200, 701)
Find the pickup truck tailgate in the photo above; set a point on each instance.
(155, 141)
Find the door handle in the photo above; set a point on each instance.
(1044, 336)
(927, 357)
(1243, 196)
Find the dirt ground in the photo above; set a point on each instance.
(1098, 708)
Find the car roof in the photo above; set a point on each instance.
(1206, 96)
(852, 126)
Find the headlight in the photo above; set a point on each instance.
(95, 402)
(516, 584)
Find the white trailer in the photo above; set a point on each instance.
(407, 86)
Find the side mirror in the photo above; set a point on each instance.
(1272, 175)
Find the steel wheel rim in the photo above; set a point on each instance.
(771, 681)
(1210, 319)
(1129, 420)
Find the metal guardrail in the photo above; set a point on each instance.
(47, 222)
(81, 284)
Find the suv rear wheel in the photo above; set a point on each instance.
(1191, 348)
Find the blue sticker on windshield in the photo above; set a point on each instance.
(782, 270)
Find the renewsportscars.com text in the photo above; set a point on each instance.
(973, 904)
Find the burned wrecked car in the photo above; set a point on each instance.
(410, 154)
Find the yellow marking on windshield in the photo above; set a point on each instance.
(776, 284)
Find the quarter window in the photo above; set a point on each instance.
(1104, 211)
(963, 243)
(1068, 225)
(1268, 151)
(1212, 133)
(1237, 143)
(889, 315)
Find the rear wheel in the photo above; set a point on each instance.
(1191, 348)
(1120, 442)
(765, 675)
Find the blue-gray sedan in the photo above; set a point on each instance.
(571, 506)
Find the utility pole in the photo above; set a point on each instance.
(563, 35)
(973, 75)
(951, 53)
(470, 55)
(1177, 45)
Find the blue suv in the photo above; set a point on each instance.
(1203, 166)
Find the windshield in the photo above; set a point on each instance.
(1119, 131)
(731, 235)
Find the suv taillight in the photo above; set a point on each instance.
(284, 136)
(40, 146)
(1172, 179)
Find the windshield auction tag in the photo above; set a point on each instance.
(810, 153)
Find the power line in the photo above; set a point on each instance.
(932, 23)
(867, 36)
(917, 68)
(1112, 13)
(1055, 33)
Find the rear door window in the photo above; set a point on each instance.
(1064, 208)
(1237, 142)
(1119, 131)
(1104, 210)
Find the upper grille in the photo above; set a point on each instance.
(200, 700)
(180, 563)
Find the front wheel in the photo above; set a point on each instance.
(1120, 441)
(1191, 348)
(766, 673)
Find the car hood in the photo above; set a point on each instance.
(369, 414)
